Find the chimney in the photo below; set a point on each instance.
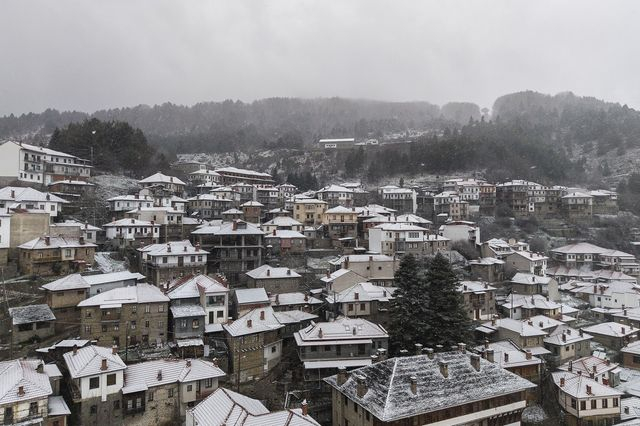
(40, 368)
(268, 272)
(414, 384)
(185, 248)
(595, 369)
(47, 240)
(382, 354)
(234, 226)
(595, 288)
(489, 353)
(486, 343)
(475, 361)
(356, 296)
(564, 338)
(506, 357)
(320, 333)
(493, 320)
(561, 382)
(75, 349)
(20, 390)
(261, 315)
(13, 193)
(623, 330)
(168, 248)
(288, 271)
(626, 409)
(361, 388)
(429, 352)
(274, 233)
(114, 350)
(444, 368)
(48, 197)
(418, 348)
(346, 262)
(588, 389)
(215, 361)
(81, 241)
(188, 363)
(249, 323)
(328, 274)
(306, 297)
(159, 375)
(103, 364)
(528, 354)
(580, 332)
(342, 376)
(277, 299)
(462, 348)
(305, 409)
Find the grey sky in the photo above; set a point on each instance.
(87, 55)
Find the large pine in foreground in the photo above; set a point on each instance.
(409, 308)
(448, 320)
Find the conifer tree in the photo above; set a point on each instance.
(447, 317)
(408, 313)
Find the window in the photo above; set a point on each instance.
(605, 403)
(574, 404)
(87, 329)
(189, 388)
(94, 382)
(147, 309)
(104, 328)
(165, 259)
(183, 323)
(94, 409)
(150, 396)
(273, 349)
(594, 404)
(583, 405)
(195, 323)
(170, 393)
(33, 409)
(615, 402)
(362, 307)
(208, 383)
(146, 324)
(350, 307)
(111, 379)
(160, 308)
(116, 404)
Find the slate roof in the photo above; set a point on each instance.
(294, 298)
(251, 323)
(251, 295)
(389, 397)
(55, 242)
(22, 194)
(189, 287)
(576, 386)
(30, 314)
(185, 311)
(161, 372)
(22, 372)
(161, 178)
(178, 248)
(70, 282)
(365, 292)
(273, 273)
(343, 329)
(612, 329)
(88, 360)
(141, 293)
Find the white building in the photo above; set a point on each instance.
(16, 197)
(125, 203)
(29, 163)
(206, 292)
(96, 372)
(169, 183)
(127, 231)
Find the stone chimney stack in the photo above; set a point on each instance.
(114, 350)
(462, 348)
(361, 389)
(414, 384)
(475, 361)
(418, 348)
(305, 409)
(430, 353)
(103, 364)
(490, 354)
(444, 368)
(342, 376)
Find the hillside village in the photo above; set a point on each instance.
(214, 295)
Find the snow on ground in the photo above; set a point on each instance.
(534, 414)
(108, 264)
(108, 186)
(215, 160)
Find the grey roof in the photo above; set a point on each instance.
(88, 360)
(389, 396)
(22, 372)
(258, 320)
(145, 375)
(251, 295)
(28, 194)
(30, 314)
(185, 311)
(269, 272)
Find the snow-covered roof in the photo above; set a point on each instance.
(293, 317)
(235, 170)
(486, 261)
(111, 277)
(74, 223)
(335, 188)
(224, 406)
(270, 272)
(162, 372)
(135, 197)
(530, 301)
(172, 248)
(507, 354)
(363, 258)
(282, 221)
(388, 384)
(309, 201)
(57, 407)
(185, 311)
(22, 373)
(251, 295)
(232, 211)
(523, 328)
(530, 256)
(257, 320)
(340, 331)
(341, 210)
(295, 298)
(162, 178)
(529, 279)
(612, 329)
(474, 287)
(87, 361)
(190, 286)
(141, 293)
(340, 272)
(227, 228)
(579, 248)
(581, 386)
(30, 314)
(401, 227)
(252, 204)
(24, 194)
(285, 234)
(363, 292)
(69, 282)
(589, 364)
(55, 242)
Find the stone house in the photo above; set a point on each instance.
(285, 242)
(377, 269)
(47, 255)
(126, 316)
(273, 280)
(479, 299)
(31, 322)
(162, 263)
(309, 211)
(363, 300)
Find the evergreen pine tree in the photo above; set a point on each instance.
(408, 313)
(447, 317)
